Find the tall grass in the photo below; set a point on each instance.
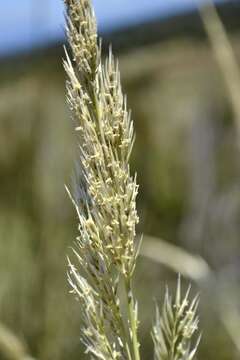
(104, 197)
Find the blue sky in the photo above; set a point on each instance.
(28, 23)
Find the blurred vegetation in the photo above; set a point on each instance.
(187, 160)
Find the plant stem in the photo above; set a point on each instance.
(132, 319)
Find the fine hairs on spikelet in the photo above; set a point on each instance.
(104, 194)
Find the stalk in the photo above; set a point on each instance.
(132, 318)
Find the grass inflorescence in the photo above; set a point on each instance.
(104, 196)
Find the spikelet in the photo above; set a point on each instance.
(175, 326)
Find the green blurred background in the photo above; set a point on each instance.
(187, 159)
